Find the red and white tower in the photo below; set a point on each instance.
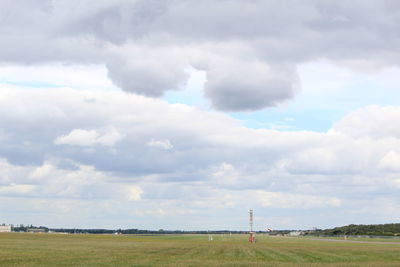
(252, 237)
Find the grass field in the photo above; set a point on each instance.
(23, 249)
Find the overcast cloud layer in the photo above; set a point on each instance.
(249, 49)
(78, 153)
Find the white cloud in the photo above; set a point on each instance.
(80, 137)
(371, 122)
(391, 161)
(135, 193)
(110, 137)
(16, 189)
(299, 201)
(42, 171)
(163, 144)
(216, 165)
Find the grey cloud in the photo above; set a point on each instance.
(118, 21)
(249, 86)
(147, 72)
(116, 33)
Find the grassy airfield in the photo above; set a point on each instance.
(24, 249)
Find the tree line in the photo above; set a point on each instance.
(22, 228)
(390, 229)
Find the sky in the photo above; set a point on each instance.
(183, 115)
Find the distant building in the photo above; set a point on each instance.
(5, 228)
(36, 230)
(295, 233)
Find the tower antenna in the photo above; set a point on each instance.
(252, 237)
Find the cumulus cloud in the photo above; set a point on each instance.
(391, 161)
(371, 122)
(42, 171)
(213, 163)
(287, 200)
(249, 86)
(148, 71)
(16, 189)
(80, 137)
(163, 144)
(135, 193)
(147, 45)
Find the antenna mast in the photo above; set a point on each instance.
(252, 237)
(251, 220)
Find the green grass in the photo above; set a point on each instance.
(356, 239)
(22, 249)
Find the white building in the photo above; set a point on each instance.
(5, 228)
(295, 233)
